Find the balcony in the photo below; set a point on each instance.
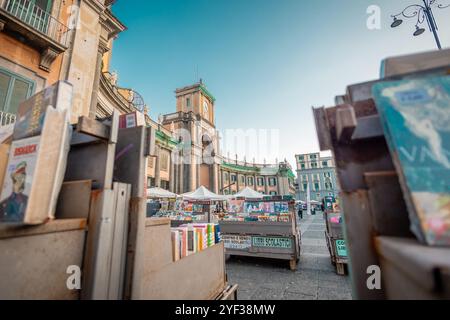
(34, 26)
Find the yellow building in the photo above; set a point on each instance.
(43, 41)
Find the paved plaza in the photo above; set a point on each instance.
(315, 279)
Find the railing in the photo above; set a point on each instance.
(38, 19)
(6, 118)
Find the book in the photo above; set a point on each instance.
(415, 115)
(175, 235)
(183, 234)
(31, 115)
(131, 120)
(38, 157)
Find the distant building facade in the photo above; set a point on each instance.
(319, 173)
(269, 179)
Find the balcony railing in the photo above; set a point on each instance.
(6, 118)
(36, 18)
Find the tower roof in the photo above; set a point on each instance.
(199, 86)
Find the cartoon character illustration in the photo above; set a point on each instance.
(12, 209)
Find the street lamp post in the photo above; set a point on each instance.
(422, 13)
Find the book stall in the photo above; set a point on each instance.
(73, 208)
(160, 202)
(200, 206)
(259, 226)
(390, 141)
(334, 234)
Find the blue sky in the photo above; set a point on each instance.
(267, 62)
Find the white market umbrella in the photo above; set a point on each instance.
(248, 193)
(160, 193)
(202, 194)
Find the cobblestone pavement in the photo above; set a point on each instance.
(315, 278)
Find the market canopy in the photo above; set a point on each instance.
(202, 194)
(160, 193)
(248, 193)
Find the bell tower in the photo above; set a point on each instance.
(197, 99)
(196, 115)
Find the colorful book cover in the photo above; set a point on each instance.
(415, 115)
(254, 207)
(18, 179)
(217, 234)
(269, 207)
(32, 112)
(236, 206)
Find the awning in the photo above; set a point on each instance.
(202, 194)
(160, 193)
(248, 193)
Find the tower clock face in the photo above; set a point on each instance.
(205, 108)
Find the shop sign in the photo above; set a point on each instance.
(272, 242)
(341, 248)
(236, 242)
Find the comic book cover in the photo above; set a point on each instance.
(18, 179)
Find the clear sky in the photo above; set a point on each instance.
(267, 62)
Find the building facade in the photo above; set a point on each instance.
(268, 179)
(318, 173)
(43, 41)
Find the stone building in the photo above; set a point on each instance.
(43, 41)
(319, 173)
(269, 179)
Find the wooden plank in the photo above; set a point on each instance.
(359, 231)
(368, 128)
(387, 206)
(345, 123)
(200, 276)
(323, 133)
(96, 268)
(119, 242)
(74, 200)
(34, 265)
(53, 226)
(423, 267)
(93, 128)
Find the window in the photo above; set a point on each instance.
(303, 166)
(242, 180)
(233, 178)
(272, 182)
(260, 181)
(165, 184)
(316, 186)
(305, 177)
(313, 156)
(151, 182)
(227, 192)
(327, 174)
(314, 165)
(273, 193)
(250, 181)
(13, 90)
(301, 158)
(305, 187)
(226, 177)
(188, 103)
(325, 164)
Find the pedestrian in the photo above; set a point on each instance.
(300, 212)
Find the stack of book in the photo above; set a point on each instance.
(191, 238)
(37, 158)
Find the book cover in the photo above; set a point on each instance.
(54, 133)
(415, 115)
(32, 112)
(18, 179)
(175, 235)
